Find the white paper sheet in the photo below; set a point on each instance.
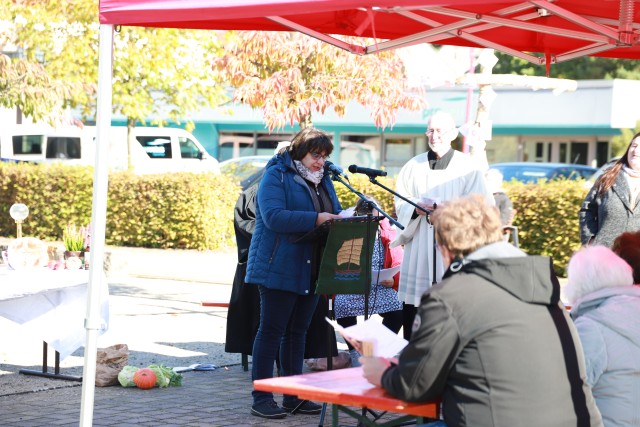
(347, 213)
(384, 342)
(378, 276)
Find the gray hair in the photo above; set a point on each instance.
(593, 268)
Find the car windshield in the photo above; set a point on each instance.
(243, 168)
(532, 172)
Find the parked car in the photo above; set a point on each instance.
(244, 169)
(592, 180)
(534, 171)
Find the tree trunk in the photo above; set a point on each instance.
(305, 121)
(130, 141)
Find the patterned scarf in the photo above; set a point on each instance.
(314, 177)
(631, 172)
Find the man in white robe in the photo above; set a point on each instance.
(440, 174)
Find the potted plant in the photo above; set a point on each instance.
(74, 239)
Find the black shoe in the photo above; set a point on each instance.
(302, 407)
(268, 409)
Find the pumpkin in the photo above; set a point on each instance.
(144, 378)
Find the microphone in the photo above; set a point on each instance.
(335, 169)
(367, 171)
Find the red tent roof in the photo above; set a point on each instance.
(536, 30)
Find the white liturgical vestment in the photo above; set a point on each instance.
(418, 183)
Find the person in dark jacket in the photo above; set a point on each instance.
(492, 340)
(612, 206)
(295, 196)
(243, 314)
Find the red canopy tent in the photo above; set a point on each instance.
(539, 31)
(556, 30)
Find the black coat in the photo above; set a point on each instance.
(243, 317)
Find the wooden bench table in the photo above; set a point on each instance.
(344, 388)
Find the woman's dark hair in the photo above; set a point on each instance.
(627, 246)
(608, 178)
(310, 140)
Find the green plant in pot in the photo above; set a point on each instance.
(75, 240)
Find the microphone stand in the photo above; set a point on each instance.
(337, 177)
(367, 238)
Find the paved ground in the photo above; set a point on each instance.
(155, 302)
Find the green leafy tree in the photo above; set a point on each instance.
(290, 76)
(55, 61)
(620, 142)
(583, 68)
(27, 86)
(162, 72)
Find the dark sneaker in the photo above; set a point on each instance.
(268, 409)
(302, 407)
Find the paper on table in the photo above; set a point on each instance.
(385, 343)
(378, 276)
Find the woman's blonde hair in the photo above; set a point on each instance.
(466, 224)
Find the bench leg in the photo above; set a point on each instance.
(245, 362)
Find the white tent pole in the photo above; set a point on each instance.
(97, 278)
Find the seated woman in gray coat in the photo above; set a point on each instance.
(606, 309)
(492, 340)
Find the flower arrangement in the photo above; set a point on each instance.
(75, 239)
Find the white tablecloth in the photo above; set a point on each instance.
(50, 305)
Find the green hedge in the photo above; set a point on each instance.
(547, 218)
(55, 194)
(547, 213)
(180, 210)
(195, 211)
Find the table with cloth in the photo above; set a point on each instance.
(50, 305)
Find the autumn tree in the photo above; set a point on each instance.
(290, 76)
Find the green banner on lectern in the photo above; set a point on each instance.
(346, 259)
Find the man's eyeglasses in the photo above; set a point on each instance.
(318, 156)
(430, 132)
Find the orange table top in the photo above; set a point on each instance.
(346, 387)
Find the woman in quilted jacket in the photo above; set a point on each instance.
(295, 196)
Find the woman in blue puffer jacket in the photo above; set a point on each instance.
(294, 197)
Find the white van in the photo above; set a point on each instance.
(41, 143)
(155, 150)
(159, 150)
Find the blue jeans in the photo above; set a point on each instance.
(284, 320)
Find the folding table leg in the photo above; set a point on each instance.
(45, 367)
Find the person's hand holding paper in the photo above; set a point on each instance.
(380, 340)
(384, 275)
